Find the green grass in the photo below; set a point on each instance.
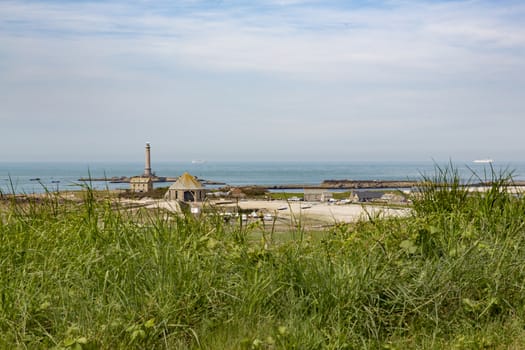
(288, 195)
(91, 275)
(285, 195)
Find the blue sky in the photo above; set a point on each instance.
(262, 80)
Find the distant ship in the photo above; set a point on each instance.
(483, 161)
(198, 161)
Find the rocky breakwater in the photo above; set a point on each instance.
(353, 184)
(125, 179)
(347, 184)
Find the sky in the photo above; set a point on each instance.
(284, 80)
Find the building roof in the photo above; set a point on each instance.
(186, 182)
(367, 195)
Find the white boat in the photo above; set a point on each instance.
(198, 161)
(483, 161)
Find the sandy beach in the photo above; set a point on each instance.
(313, 213)
(330, 213)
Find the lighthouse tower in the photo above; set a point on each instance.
(147, 168)
(144, 182)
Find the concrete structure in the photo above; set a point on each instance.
(141, 184)
(186, 189)
(147, 168)
(317, 195)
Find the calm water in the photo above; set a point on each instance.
(16, 177)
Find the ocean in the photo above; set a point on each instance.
(20, 177)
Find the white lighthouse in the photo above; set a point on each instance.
(144, 182)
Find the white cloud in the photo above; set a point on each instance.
(401, 69)
(323, 43)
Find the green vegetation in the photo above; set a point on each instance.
(156, 193)
(288, 195)
(342, 195)
(90, 275)
(254, 191)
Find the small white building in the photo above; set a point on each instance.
(186, 189)
(141, 184)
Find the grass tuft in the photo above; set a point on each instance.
(94, 275)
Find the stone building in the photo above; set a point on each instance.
(317, 195)
(186, 189)
(141, 184)
(369, 196)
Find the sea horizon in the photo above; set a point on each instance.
(21, 176)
